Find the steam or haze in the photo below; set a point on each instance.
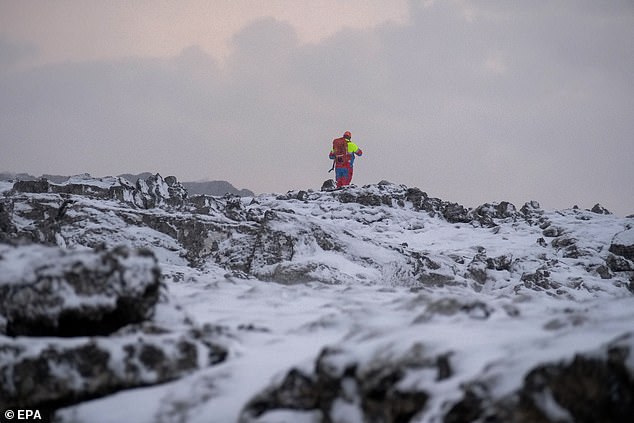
(469, 101)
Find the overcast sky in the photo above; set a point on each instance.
(471, 101)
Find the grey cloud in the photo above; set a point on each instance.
(518, 103)
(12, 52)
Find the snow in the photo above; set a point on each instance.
(86, 179)
(20, 264)
(625, 237)
(292, 323)
(551, 409)
(361, 298)
(5, 186)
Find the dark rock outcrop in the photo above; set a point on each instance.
(623, 244)
(589, 388)
(146, 193)
(78, 326)
(76, 293)
(56, 372)
(372, 388)
(328, 185)
(599, 209)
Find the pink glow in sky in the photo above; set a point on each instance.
(87, 30)
(471, 101)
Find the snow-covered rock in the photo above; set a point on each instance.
(623, 244)
(147, 193)
(50, 373)
(396, 386)
(49, 291)
(373, 303)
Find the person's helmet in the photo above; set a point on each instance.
(347, 135)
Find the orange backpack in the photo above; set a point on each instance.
(340, 148)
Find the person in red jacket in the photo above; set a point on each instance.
(343, 153)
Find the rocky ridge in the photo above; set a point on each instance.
(85, 261)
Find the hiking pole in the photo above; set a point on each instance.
(333, 166)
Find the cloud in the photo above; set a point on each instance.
(471, 103)
(12, 52)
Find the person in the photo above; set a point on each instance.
(343, 153)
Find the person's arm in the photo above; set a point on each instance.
(355, 149)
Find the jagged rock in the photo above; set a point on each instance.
(618, 264)
(372, 388)
(365, 197)
(435, 279)
(478, 267)
(604, 272)
(301, 195)
(47, 291)
(416, 197)
(48, 215)
(472, 405)
(234, 209)
(32, 187)
(328, 185)
(552, 231)
(531, 209)
(289, 273)
(596, 387)
(487, 213)
(253, 238)
(500, 263)
(623, 244)
(599, 209)
(271, 246)
(155, 191)
(538, 280)
(58, 372)
(590, 387)
(6, 225)
(456, 213)
(452, 306)
(568, 246)
(147, 193)
(423, 262)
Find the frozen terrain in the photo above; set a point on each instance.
(367, 304)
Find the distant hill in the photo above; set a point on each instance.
(216, 188)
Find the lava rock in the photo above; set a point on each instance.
(623, 244)
(328, 185)
(52, 373)
(590, 388)
(374, 386)
(599, 209)
(48, 291)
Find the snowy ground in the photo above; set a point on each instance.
(274, 327)
(494, 331)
